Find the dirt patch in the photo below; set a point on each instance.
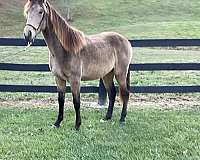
(165, 101)
(137, 101)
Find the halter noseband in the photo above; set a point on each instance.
(36, 29)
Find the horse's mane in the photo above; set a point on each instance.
(70, 38)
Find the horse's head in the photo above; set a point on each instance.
(36, 12)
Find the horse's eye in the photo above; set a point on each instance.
(40, 12)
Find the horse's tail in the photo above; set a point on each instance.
(128, 80)
(127, 84)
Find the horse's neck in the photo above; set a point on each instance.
(51, 39)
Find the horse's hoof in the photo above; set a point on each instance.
(107, 118)
(55, 126)
(77, 125)
(77, 128)
(122, 120)
(102, 121)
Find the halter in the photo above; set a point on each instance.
(36, 29)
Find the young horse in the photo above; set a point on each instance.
(74, 56)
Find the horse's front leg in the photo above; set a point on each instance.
(61, 86)
(75, 88)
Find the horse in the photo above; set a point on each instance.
(75, 56)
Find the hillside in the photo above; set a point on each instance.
(133, 18)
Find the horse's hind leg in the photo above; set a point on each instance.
(61, 86)
(110, 87)
(124, 94)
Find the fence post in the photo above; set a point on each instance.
(102, 93)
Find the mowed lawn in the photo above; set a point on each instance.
(39, 55)
(132, 18)
(155, 133)
(25, 133)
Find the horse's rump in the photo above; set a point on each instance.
(102, 54)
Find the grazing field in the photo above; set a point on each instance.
(141, 55)
(25, 133)
(158, 126)
(132, 18)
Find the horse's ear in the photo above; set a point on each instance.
(45, 6)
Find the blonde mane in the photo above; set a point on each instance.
(70, 38)
(27, 7)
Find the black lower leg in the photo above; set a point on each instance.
(112, 95)
(125, 97)
(76, 101)
(61, 101)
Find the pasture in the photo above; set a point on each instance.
(25, 133)
(159, 126)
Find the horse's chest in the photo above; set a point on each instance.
(56, 68)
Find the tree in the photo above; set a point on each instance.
(68, 9)
(65, 8)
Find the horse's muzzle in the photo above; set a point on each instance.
(28, 37)
(29, 34)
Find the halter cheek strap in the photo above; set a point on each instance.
(36, 29)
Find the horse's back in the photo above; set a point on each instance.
(97, 57)
(104, 52)
(123, 50)
(116, 41)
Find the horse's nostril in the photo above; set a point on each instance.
(29, 34)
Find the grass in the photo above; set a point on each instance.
(148, 134)
(134, 19)
(140, 55)
(40, 55)
(25, 118)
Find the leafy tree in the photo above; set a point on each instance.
(64, 7)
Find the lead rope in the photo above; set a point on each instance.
(29, 44)
(23, 50)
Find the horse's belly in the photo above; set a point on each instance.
(88, 77)
(95, 71)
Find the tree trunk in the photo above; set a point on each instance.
(67, 9)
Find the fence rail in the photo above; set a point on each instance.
(133, 67)
(95, 89)
(134, 43)
(101, 88)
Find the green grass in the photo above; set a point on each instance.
(140, 55)
(40, 55)
(134, 19)
(25, 118)
(147, 134)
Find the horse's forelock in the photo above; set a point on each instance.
(29, 3)
(27, 7)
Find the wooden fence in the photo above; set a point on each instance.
(101, 89)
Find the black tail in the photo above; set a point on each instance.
(128, 80)
(127, 85)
